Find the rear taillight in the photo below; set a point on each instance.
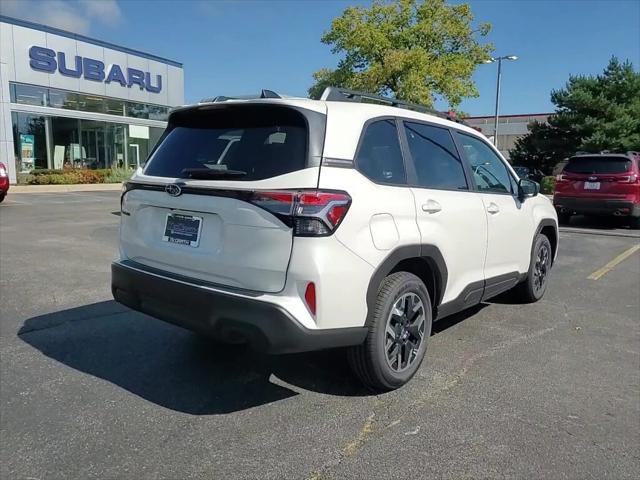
(310, 213)
(561, 178)
(3, 170)
(627, 179)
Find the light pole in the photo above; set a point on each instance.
(497, 116)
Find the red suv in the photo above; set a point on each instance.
(4, 181)
(600, 184)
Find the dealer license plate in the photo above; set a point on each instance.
(182, 229)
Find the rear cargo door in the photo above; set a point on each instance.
(598, 176)
(213, 201)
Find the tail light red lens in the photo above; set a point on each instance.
(310, 297)
(310, 214)
(628, 179)
(3, 170)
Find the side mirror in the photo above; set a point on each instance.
(527, 188)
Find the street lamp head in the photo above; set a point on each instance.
(489, 60)
(511, 57)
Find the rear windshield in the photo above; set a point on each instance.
(232, 143)
(598, 165)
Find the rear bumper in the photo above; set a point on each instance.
(223, 315)
(596, 206)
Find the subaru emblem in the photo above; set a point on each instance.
(173, 190)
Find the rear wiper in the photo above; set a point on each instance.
(210, 173)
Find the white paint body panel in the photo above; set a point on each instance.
(459, 231)
(241, 245)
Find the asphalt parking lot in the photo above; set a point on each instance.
(89, 389)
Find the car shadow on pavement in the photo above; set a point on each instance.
(182, 371)
(448, 322)
(178, 369)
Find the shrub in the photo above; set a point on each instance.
(118, 175)
(86, 176)
(548, 184)
(77, 175)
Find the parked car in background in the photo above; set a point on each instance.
(529, 174)
(4, 181)
(330, 223)
(600, 184)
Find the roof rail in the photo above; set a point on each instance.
(339, 94)
(264, 93)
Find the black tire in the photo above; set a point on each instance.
(370, 361)
(534, 286)
(2, 195)
(564, 218)
(634, 223)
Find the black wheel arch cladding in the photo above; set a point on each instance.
(421, 253)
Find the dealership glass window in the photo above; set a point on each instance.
(65, 142)
(91, 103)
(137, 145)
(62, 99)
(29, 95)
(114, 107)
(156, 112)
(137, 110)
(41, 96)
(29, 140)
(154, 137)
(93, 144)
(115, 145)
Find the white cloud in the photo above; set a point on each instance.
(105, 11)
(76, 17)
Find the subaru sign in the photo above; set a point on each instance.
(47, 60)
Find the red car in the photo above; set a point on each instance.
(4, 181)
(600, 184)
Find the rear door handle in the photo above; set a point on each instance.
(492, 208)
(431, 207)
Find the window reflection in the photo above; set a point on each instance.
(30, 95)
(91, 103)
(137, 110)
(114, 107)
(156, 112)
(29, 140)
(50, 97)
(60, 99)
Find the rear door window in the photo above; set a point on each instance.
(380, 157)
(435, 157)
(237, 143)
(601, 165)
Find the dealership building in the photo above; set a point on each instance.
(510, 128)
(69, 101)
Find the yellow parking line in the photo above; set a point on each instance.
(601, 272)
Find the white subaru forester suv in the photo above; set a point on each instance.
(351, 221)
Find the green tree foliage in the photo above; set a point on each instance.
(593, 113)
(410, 49)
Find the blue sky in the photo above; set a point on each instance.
(233, 47)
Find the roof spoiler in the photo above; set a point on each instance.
(264, 93)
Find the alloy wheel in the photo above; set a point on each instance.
(404, 331)
(541, 269)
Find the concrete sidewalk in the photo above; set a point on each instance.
(85, 187)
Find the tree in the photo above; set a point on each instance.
(593, 113)
(409, 49)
